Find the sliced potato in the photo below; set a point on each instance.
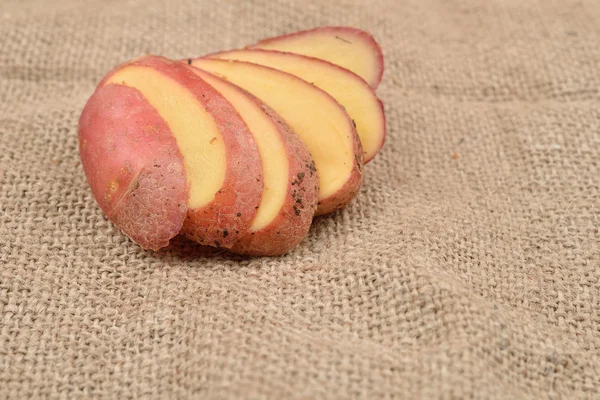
(290, 192)
(221, 160)
(319, 120)
(351, 91)
(350, 48)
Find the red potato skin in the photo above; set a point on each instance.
(293, 222)
(133, 165)
(358, 33)
(226, 219)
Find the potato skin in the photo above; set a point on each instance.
(133, 165)
(226, 219)
(293, 222)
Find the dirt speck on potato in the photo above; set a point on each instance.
(112, 186)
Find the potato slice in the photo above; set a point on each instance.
(350, 48)
(133, 165)
(314, 115)
(352, 92)
(222, 163)
(290, 192)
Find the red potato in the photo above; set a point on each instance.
(221, 161)
(350, 48)
(350, 90)
(126, 167)
(319, 120)
(291, 183)
(242, 159)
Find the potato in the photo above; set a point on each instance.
(350, 48)
(221, 161)
(240, 149)
(133, 165)
(314, 115)
(352, 92)
(290, 192)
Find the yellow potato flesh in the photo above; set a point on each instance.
(341, 49)
(315, 116)
(270, 146)
(351, 92)
(195, 130)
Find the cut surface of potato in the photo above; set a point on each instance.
(222, 163)
(194, 128)
(133, 165)
(319, 120)
(350, 48)
(290, 189)
(270, 145)
(351, 91)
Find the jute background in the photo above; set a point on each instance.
(469, 265)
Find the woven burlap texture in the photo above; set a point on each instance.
(468, 266)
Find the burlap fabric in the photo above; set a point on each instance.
(468, 266)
